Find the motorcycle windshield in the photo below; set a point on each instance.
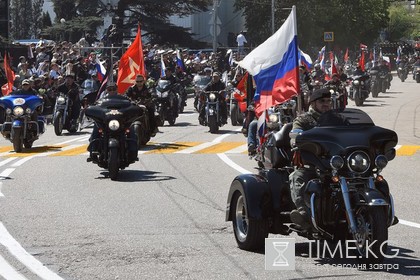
(163, 85)
(350, 129)
(31, 101)
(201, 80)
(115, 107)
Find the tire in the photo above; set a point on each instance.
(418, 78)
(249, 234)
(27, 145)
(371, 223)
(58, 123)
(234, 114)
(172, 120)
(214, 127)
(357, 100)
(17, 140)
(375, 91)
(384, 87)
(81, 120)
(138, 133)
(113, 166)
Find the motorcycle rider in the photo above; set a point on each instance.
(318, 74)
(27, 90)
(320, 102)
(71, 89)
(215, 85)
(141, 94)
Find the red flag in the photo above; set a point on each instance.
(363, 47)
(333, 66)
(10, 75)
(241, 92)
(131, 64)
(362, 61)
(346, 55)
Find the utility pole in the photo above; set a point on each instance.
(215, 4)
(272, 17)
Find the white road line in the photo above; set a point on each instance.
(1, 185)
(24, 257)
(84, 139)
(22, 161)
(6, 173)
(72, 140)
(6, 161)
(235, 166)
(8, 271)
(410, 224)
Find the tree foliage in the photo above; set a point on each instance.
(352, 21)
(21, 15)
(404, 22)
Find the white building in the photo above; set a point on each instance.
(201, 24)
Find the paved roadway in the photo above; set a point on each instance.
(61, 218)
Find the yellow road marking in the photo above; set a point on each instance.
(167, 148)
(220, 148)
(407, 150)
(72, 152)
(6, 149)
(34, 151)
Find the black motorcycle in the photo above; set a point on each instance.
(212, 110)
(62, 115)
(115, 147)
(416, 73)
(384, 80)
(349, 199)
(375, 86)
(141, 127)
(402, 72)
(166, 102)
(359, 89)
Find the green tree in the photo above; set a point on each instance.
(36, 26)
(404, 22)
(21, 16)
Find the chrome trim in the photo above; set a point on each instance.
(391, 204)
(378, 202)
(347, 204)
(314, 221)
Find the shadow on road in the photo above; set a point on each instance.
(137, 176)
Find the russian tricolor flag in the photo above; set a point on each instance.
(275, 67)
(162, 67)
(305, 59)
(100, 70)
(180, 61)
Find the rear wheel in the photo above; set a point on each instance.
(58, 123)
(17, 140)
(250, 234)
(113, 166)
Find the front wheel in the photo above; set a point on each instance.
(17, 140)
(113, 166)
(234, 114)
(214, 127)
(250, 234)
(357, 100)
(58, 123)
(371, 234)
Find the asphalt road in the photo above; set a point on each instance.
(62, 218)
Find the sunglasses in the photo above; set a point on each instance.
(140, 81)
(324, 100)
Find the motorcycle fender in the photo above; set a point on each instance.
(17, 124)
(113, 143)
(256, 192)
(211, 111)
(373, 197)
(278, 183)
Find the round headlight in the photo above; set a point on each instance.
(381, 161)
(212, 96)
(356, 82)
(358, 162)
(336, 162)
(61, 100)
(114, 125)
(8, 111)
(273, 118)
(18, 111)
(28, 111)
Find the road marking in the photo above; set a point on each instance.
(73, 140)
(239, 150)
(5, 149)
(8, 271)
(220, 148)
(6, 161)
(235, 166)
(407, 150)
(410, 224)
(167, 148)
(22, 161)
(71, 150)
(6, 173)
(24, 257)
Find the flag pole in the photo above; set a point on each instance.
(299, 99)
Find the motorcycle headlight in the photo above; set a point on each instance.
(358, 162)
(18, 111)
(336, 162)
(114, 125)
(212, 96)
(362, 83)
(28, 111)
(381, 161)
(61, 100)
(273, 118)
(8, 111)
(356, 82)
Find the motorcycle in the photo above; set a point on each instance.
(200, 82)
(402, 72)
(273, 152)
(384, 81)
(349, 200)
(358, 89)
(62, 113)
(166, 102)
(87, 99)
(141, 127)
(212, 110)
(115, 147)
(236, 105)
(374, 83)
(22, 125)
(416, 73)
